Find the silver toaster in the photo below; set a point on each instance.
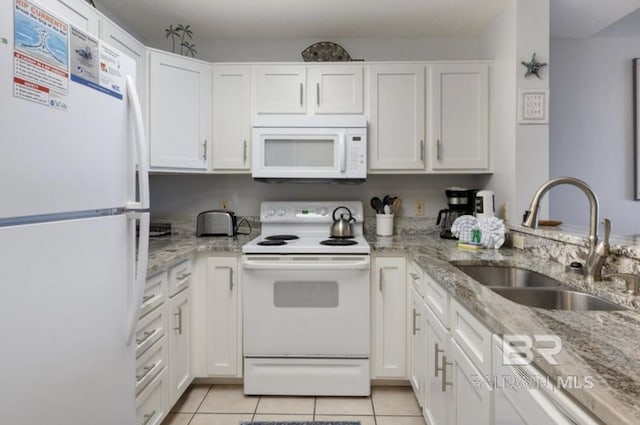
(216, 223)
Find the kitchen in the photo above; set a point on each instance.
(178, 193)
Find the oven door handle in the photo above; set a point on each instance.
(306, 265)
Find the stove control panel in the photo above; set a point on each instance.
(306, 212)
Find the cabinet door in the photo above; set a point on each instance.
(390, 317)
(470, 391)
(439, 400)
(123, 41)
(280, 89)
(418, 348)
(76, 12)
(460, 116)
(336, 89)
(223, 326)
(179, 112)
(180, 375)
(396, 124)
(231, 117)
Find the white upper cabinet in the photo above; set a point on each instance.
(77, 12)
(123, 41)
(396, 117)
(459, 116)
(336, 89)
(231, 118)
(179, 112)
(317, 89)
(281, 89)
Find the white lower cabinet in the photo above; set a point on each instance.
(389, 297)
(471, 395)
(151, 402)
(180, 375)
(418, 346)
(439, 398)
(224, 348)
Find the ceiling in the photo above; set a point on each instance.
(339, 19)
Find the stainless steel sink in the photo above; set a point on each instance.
(533, 289)
(512, 277)
(556, 299)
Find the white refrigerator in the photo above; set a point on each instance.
(72, 271)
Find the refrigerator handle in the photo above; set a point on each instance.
(140, 274)
(141, 148)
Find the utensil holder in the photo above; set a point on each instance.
(384, 224)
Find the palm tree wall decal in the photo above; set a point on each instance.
(181, 32)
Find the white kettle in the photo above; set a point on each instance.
(484, 206)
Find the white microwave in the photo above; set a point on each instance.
(309, 148)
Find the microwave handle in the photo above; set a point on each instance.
(343, 152)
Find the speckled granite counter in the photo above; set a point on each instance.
(598, 344)
(166, 251)
(602, 345)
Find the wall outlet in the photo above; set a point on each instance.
(420, 208)
(518, 241)
(224, 204)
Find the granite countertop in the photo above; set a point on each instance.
(604, 346)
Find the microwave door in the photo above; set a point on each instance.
(296, 154)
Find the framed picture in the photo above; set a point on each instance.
(533, 106)
(636, 126)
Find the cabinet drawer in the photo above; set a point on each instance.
(150, 363)
(472, 336)
(416, 279)
(150, 329)
(179, 277)
(150, 403)
(437, 299)
(155, 292)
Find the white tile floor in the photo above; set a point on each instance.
(227, 405)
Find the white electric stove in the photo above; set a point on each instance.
(304, 228)
(306, 303)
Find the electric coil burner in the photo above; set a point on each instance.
(306, 297)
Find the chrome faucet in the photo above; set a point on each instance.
(598, 251)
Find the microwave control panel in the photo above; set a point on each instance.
(357, 155)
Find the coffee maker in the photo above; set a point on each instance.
(460, 202)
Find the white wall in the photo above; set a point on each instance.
(189, 195)
(365, 48)
(591, 128)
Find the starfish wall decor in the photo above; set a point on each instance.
(533, 67)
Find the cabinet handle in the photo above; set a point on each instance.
(230, 279)
(179, 316)
(145, 337)
(415, 315)
(204, 150)
(147, 298)
(145, 372)
(438, 150)
(438, 351)
(318, 93)
(183, 279)
(445, 384)
(421, 150)
(244, 153)
(301, 94)
(148, 417)
(380, 280)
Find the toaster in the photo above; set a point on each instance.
(216, 223)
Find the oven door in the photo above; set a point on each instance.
(301, 153)
(306, 306)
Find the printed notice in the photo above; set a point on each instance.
(41, 56)
(95, 64)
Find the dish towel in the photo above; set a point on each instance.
(492, 230)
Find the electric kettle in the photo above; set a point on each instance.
(342, 227)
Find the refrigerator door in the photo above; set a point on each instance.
(64, 322)
(61, 159)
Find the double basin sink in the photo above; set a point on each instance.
(533, 289)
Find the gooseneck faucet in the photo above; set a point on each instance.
(598, 251)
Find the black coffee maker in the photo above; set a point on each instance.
(460, 202)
